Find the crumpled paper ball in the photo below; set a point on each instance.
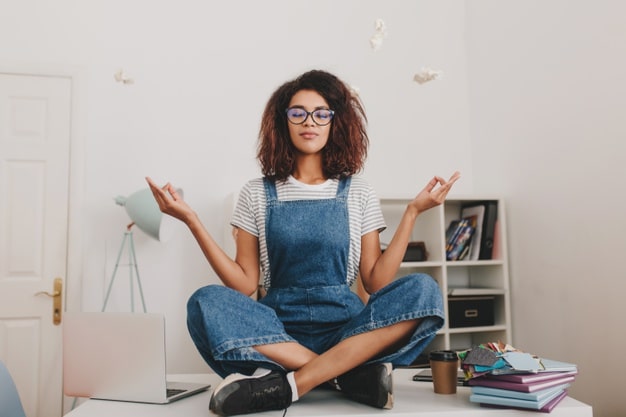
(380, 33)
(427, 74)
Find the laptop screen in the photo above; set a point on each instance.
(114, 356)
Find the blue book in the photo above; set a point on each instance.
(545, 409)
(543, 366)
(461, 242)
(530, 396)
(515, 402)
(456, 226)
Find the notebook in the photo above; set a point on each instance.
(521, 387)
(517, 403)
(119, 356)
(526, 378)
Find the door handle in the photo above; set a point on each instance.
(57, 300)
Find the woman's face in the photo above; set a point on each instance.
(309, 137)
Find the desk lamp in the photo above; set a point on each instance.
(144, 212)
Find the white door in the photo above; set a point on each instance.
(35, 118)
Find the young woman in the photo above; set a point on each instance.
(305, 232)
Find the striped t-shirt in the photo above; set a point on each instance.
(364, 214)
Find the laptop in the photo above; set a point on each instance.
(119, 356)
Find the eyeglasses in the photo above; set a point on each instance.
(321, 117)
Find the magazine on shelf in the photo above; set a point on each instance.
(487, 215)
(478, 213)
(459, 237)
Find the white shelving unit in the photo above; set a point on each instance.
(468, 278)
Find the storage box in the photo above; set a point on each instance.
(415, 252)
(471, 311)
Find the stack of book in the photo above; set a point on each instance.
(512, 379)
(531, 391)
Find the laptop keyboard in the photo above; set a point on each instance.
(172, 391)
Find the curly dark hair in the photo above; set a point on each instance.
(346, 150)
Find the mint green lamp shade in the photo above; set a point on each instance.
(144, 211)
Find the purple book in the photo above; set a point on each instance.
(531, 377)
(496, 382)
(545, 409)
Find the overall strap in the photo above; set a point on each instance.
(343, 188)
(270, 191)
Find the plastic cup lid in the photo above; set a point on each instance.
(443, 355)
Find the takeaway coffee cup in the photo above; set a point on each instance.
(444, 365)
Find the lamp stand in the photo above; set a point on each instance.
(132, 265)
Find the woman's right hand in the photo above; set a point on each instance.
(170, 202)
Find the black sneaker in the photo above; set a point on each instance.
(242, 394)
(369, 384)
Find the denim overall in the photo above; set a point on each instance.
(309, 301)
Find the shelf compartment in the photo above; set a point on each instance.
(477, 276)
(488, 277)
(433, 271)
(427, 227)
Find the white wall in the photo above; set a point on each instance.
(530, 107)
(203, 71)
(547, 100)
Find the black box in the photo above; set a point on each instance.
(471, 311)
(415, 252)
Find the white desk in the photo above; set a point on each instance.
(410, 399)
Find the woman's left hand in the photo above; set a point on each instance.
(432, 196)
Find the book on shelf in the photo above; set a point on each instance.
(452, 232)
(477, 212)
(486, 213)
(459, 237)
(496, 252)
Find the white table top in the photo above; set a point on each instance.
(410, 399)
